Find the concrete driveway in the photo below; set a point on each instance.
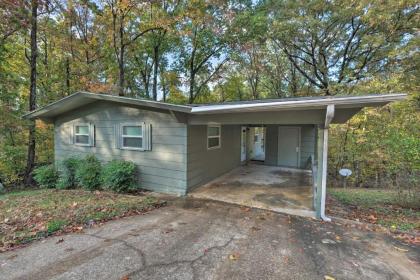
(198, 239)
(264, 187)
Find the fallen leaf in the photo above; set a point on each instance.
(125, 277)
(12, 257)
(327, 277)
(169, 230)
(400, 249)
(328, 241)
(234, 257)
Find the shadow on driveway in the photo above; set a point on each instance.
(199, 239)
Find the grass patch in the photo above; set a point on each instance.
(55, 225)
(33, 214)
(377, 206)
(363, 197)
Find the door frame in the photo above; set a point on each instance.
(244, 144)
(299, 143)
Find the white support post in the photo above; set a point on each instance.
(323, 164)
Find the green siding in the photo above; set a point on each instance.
(203, 165)
(307, 144)
(162, 169)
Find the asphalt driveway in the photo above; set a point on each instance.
(198, 239)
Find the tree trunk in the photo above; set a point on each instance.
(121, 61)
(68, 76)
(32, 94)
(192, 83)
(121, 73)
(155, 70)
(163, 83)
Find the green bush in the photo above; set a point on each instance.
(88, 173)
(119, 176)
(46, 176)
(67, 178)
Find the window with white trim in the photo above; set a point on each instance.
(83, 134)
(213, 136)
(132, 136)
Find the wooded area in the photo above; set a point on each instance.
(213, 51)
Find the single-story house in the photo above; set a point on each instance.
(180, 147)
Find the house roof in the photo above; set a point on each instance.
(79, 99)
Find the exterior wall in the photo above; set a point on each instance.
(271, 144)
(162, 169)
(307, 144)
(203, 165)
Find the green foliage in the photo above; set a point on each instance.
(215, 51)
(381, 146)
(88, 173)
(46, 176)
(55, 225)
(373, 198)
(363, 197)
(119, 176)
(67, 178)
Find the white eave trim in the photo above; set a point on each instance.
(316, 103)
(321, 103)
(118, 99)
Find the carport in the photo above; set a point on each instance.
(271, 154)
(265, 187)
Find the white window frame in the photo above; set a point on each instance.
(89, 134)
(217, 136)
(131, 136)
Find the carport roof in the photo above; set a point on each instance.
(79, 99)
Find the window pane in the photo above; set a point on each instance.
(213, 142)
(82, 129)
(213, 131)
(132, 130)
(132, 142)
(82, 139)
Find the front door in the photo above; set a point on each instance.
(259, 144)
(289, 146)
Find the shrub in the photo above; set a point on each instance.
(67, 178)
(119, 176)
(88, 173)
(46, 176)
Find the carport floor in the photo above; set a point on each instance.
(265, 187)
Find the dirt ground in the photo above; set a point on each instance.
(199, 239)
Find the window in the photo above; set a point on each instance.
(132, 137)
(213, 137)
(83, 134)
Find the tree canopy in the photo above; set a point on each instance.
(213, 51)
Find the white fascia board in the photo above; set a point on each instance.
(93, 96)
(361, 101)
